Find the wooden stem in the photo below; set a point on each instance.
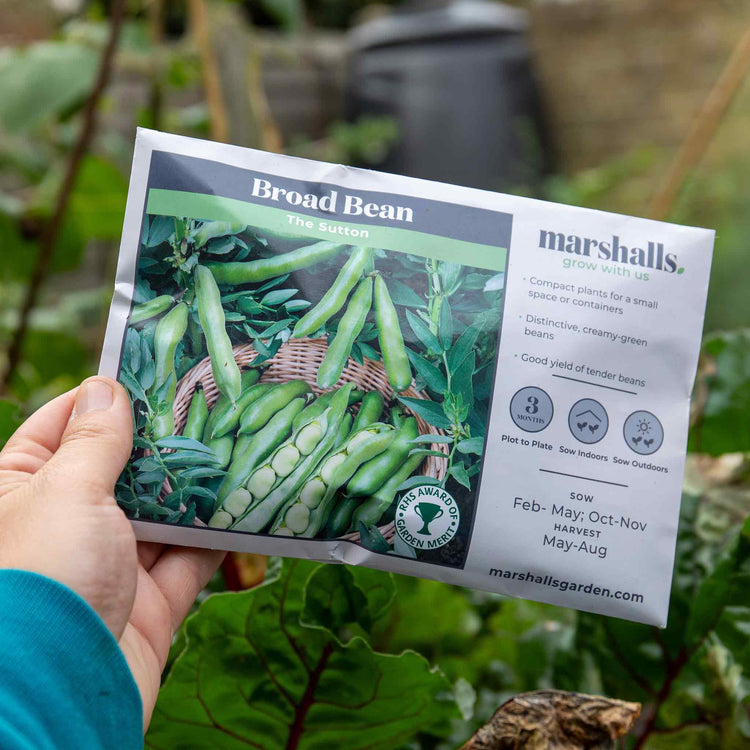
(217, 110)
(270, 135)
(703, 128)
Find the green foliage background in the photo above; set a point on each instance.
(323, 656)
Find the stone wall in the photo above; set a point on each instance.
(618, 74)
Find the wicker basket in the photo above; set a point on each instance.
(299, 359)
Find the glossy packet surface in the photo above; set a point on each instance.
(342, 365)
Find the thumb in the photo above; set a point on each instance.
(95, 445)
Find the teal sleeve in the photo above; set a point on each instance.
(64, 682)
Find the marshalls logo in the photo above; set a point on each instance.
(427, 517)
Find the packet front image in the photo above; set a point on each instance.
(349, 366)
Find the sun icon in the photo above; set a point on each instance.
(644, 426)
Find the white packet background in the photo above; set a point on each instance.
(578, 496)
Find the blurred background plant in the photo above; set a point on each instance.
(600, 103)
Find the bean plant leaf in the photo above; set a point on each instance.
(149, 477)
(180, 442)
(462, 379)
(422, 332)
(415, 451)
(432, 376)
(233, 317)
(473, 445)
(450, 275)
(221, 245)
(445, 327)
(160, 230)
(295, 305)
(372, 539)
(463, 346)
(254, 674)
(201, 472)
(458, 472)
(278, 297)
(495, 283)
(189, 458)
(131, 383)
(431, 412)
(277, 327)
(401, 294)
(274, 282)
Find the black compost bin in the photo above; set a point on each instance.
(457, 78)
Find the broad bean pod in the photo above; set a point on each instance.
(287, 457)
(265, 511)
(262, 409)
(169, 332)
(350, 325)
(197, 416)
(211, 313)
(223, 405)
(335, 298)
(228, 420)
(341, 517)
(254, 271)
(212, 229)
(369, 410)
(222, 447)
(151, 309)
(372, 509)
(251, 450)
(375, 473)
(320, 404)
(392, 347)
(360, 447)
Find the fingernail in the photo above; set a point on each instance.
(92, 396)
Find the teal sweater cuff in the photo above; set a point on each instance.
(64, 682)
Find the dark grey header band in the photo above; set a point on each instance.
(186, 173)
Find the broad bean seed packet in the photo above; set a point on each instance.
(342, 365)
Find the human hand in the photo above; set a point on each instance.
(58, 517)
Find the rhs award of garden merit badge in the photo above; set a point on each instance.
(342, 365)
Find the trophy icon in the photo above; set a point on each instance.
(428, 512)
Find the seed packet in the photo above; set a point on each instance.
(336, 364)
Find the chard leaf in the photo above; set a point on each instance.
(266, 668)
